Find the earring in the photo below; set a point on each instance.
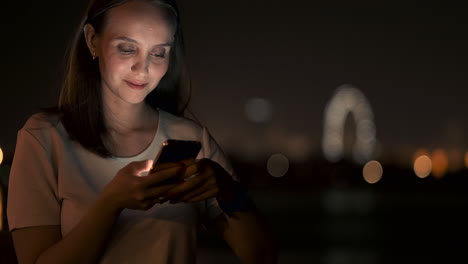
(94, 55)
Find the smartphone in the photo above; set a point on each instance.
(174, 150)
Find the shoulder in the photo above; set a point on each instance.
(41, 121)
(43, 127)
(180, 126)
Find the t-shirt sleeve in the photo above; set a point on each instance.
(33, 189)
(212, 150)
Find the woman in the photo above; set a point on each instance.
(80, 191)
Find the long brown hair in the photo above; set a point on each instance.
(80, 101)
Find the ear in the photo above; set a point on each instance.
(91, 39)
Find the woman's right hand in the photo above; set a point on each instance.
(128, 189)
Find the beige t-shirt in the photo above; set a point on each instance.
(54, 180)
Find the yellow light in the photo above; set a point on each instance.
(372, 172)
(439, 163)
(1, 156)
(422, 166)
(420, 152)
(466, 160)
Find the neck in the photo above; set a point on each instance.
(124, 117)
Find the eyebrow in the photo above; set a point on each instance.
(136, 42)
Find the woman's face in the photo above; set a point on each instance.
(133, 51)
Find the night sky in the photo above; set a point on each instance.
(409, 60)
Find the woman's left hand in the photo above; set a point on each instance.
(203, 179)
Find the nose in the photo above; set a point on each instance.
(140, 64)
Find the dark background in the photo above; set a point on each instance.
(408, 59)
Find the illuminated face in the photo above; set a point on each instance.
(133, 52)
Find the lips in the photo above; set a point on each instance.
(136, 85)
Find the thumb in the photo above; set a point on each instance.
(139, 168)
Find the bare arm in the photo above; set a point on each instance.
(84, 244)
(87, 240)
(249, 236)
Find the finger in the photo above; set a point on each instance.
(189, 162)
(161, 175)
(185, 187)
(148, 205)
(184, 197)
(145, 204)
(156, 199)
(159, 190)
(160, 199)
(189, 192)
(203, 196)
(137, 167)
(190, 170)
(157, 194)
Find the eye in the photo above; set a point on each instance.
(159, 53)
(126, 49)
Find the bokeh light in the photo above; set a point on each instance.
(422, 166)
(278, 165)
(466, 160)
(372, 172)
(1, 156)
(349, 100)
(420, 152)
(258, 110)
(439, 163)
